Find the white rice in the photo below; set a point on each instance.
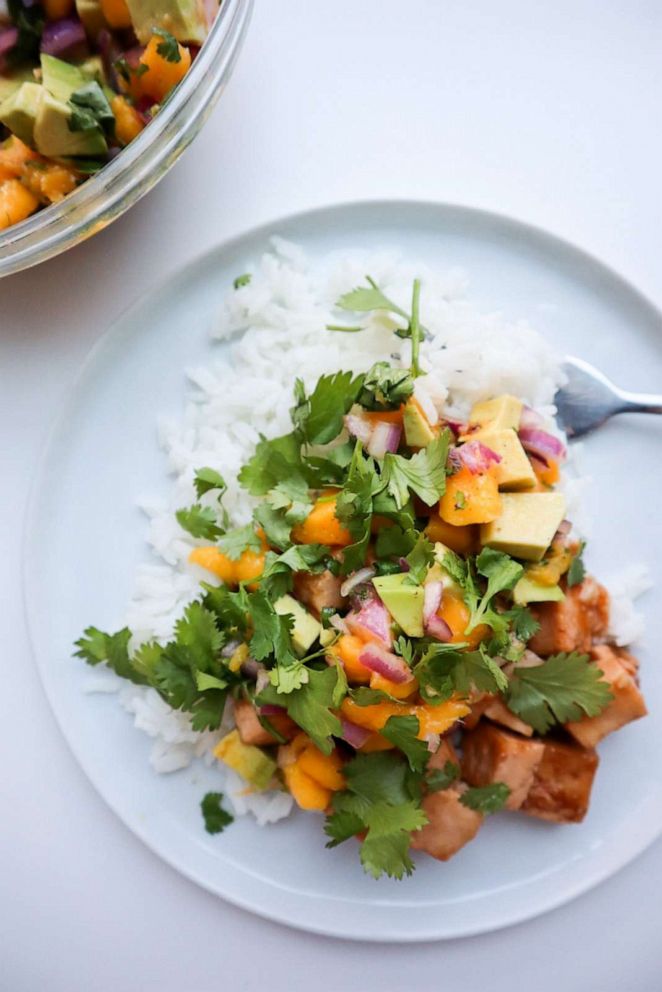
(277, 328)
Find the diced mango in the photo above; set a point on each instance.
(128, 122)
(250, 565)
(116, 13)
(548, 474)
(161, 75)
(349, 647)
(16, 203)
(322, 526)
(326, 769)
(462, 540)
(50, 181)
(215, 561)
(399, 690)
(471, 498)
(307, 793)
(456, 613)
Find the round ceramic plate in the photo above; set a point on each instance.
(85, 537)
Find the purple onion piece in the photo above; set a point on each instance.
(8, 39)
(65, 38)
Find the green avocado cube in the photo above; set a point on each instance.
(53, 138)
(528, 591)
(11, 82)
(527, 524)
(246, 760)
(61, 79)
(514, 471)
(500, 413)
(19, 111)
(186, 20)
(403, 600)
(306, 628)
(418, 432)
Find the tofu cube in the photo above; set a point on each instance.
(319, 590)
(526, 525)
(492, 754)
(562, 783)
(497, 711)
(502, 412)
(627, 705)
(572, 624)
(514, 471)
(251, 730)
(451, 825)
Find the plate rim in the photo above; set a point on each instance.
(262, 232)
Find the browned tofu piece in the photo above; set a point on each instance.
(478, 703)
(492, 754)
(627, 660)
(445, 752)
(451, 825)
(572, 624)
(319, 590)
(497, 711)
(250, 729)
(562, 783)
(627, 705)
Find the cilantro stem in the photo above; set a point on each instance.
(415, 328)
(344, 328)
(392, 306)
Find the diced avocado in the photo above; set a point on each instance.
(418, 432)
(186, 20)
(528, 591)
(306, 628)
(403, 600)
(53, 138)
(246, 760)
(514, 471)
(19, 111)
(61, 79)
(499, 413)
(91, 15)
(10, 83)
(92, 68)
(527, 524)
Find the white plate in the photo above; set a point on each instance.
(84, 538)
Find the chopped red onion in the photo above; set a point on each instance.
(353, 734)
(8, 39)
(356, 579)
(385, 663)
(542, 444)
(439, 629)
(385, 438)
(476, 456)
(456, 426)
(373, 617)
(404, 564)
(433, 591)
(64, 38)
(262, 680)
(229, 649)
(358, 427)
(338, 623)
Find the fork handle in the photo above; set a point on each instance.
(640, 402)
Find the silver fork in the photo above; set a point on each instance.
(589, 398)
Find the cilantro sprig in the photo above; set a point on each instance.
(565, 687)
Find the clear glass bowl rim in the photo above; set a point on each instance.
(103, 197)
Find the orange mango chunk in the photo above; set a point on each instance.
(326, 769)
(128, 122)
(548, 474)
(50, 181)
(215, 561)
(471, 498)
(307, 793)
(456, 613)
(116, 13)
(16, 203)
(399, 690)
(161, 75)
(349, 647)
(250, 565)
(322, 526)
(462, 540)
(56, 9)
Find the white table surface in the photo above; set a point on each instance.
(548, 112)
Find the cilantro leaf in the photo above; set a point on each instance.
(197, 632)
(319, 416)
(402, 731)
(199, 521)
(365, 696)
(310, 705)
(394, 542)
(208, 479)
(441, 778)
(385, 387)
(354, 508)
(215, 817)
(501, 572)
(385, 850)
(242, 280)
(234, 542)
(278, 575)
(168, 49)
(273, 462)
(563, 688)
(271, 637)
(444, 671)
(90, 110)
(420, 558)
(524, 623)
(113, 649)
(366, 298)
(486, 799)
(424, 473)
(577, 570)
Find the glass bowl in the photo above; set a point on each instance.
(140, 165)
